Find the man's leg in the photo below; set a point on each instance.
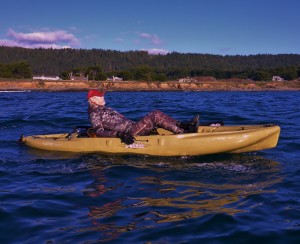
(154, 120)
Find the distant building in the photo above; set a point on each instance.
(277, 78)
(42, 77)
(204, 78)
(197, 79)
(79, 77)
(115, 78)
(186, 79)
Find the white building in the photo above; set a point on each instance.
(187, 79)
(79, 78)
(115, 78)
(277, 78)
(42, 77)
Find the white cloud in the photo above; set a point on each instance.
(225, 50)
(156, 51)
(154, 39)
(119, 40)
(51, 39)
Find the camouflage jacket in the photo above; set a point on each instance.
(107, 122)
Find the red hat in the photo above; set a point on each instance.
(95, 92)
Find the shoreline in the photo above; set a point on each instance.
(219, 85)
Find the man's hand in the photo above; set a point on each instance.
(126, 137)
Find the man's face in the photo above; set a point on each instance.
(100, 101)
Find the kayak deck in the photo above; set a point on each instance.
(208, 140)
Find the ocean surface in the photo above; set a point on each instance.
(52, 197)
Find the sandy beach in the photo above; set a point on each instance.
(219, 85)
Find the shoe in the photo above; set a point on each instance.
(194, 124)
(195, 120)
(187, 124)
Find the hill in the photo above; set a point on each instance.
(175, 65)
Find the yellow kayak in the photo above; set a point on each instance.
(208, 140)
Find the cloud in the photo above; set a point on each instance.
(10, 43)
(52, 39)
(225, 50)
(156, 51)
(119, 40)
(154, 39)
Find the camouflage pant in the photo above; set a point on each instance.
(154, 120)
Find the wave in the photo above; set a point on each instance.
(16, 91)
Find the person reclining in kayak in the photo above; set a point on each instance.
(107, 122)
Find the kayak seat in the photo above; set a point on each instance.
(91, 132)
(84, 131)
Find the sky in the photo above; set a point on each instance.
(221, 27)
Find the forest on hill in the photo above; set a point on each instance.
(17, 62)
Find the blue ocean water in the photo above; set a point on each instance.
(51, 197)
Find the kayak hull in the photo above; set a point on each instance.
(208, 140)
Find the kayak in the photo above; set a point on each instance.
(208, 140)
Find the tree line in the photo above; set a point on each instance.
(98, 64)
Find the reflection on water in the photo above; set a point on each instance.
(197, 199)
(165, 192)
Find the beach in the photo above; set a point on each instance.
(218, 85)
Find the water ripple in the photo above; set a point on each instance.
(53, 197)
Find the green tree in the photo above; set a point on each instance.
(260, 75)
(95, 73)
(18, 70)
(143, 73)
(160, 77)
(125, 75)
(290, 73)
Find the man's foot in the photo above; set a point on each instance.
(187, 124)
(195, 120)
(193, 125)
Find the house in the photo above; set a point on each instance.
(42, 77)
(79, 77)
(277, 78)
(115, 78)
(187, 79)
(197, 79)
(204, 79)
